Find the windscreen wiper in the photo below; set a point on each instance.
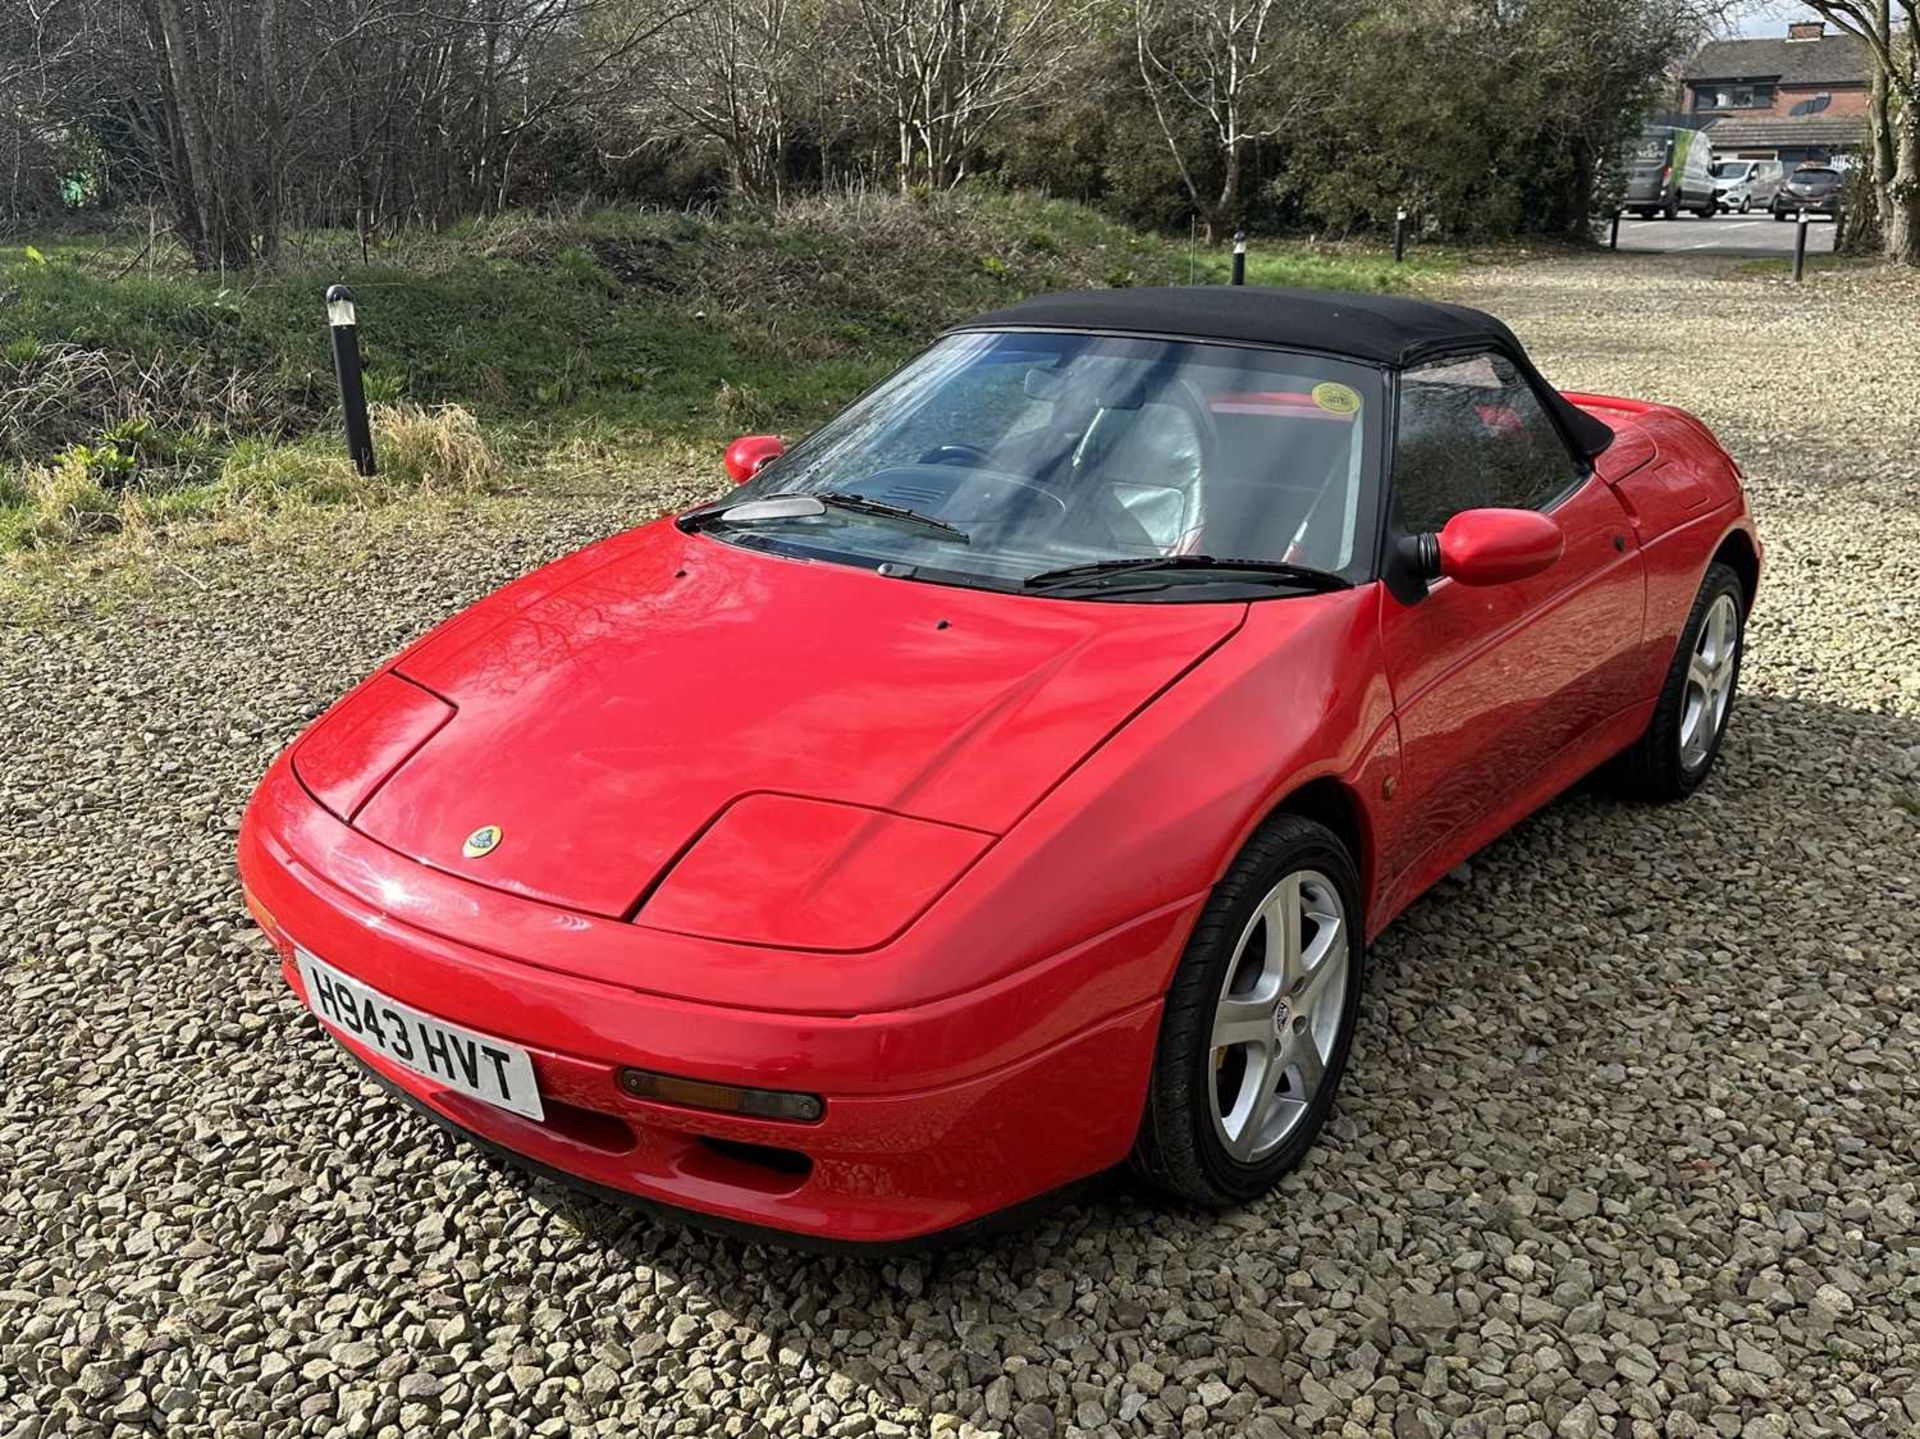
(1304, 576)
(880, 509)
(798, 506)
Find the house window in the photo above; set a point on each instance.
(1733, 97)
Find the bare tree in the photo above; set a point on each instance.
(35, 37)
(1226, 72)
(943, 71)
(736, 74)
(1893, 113)
(240, 113)
(438, 102)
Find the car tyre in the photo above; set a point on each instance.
(1258, 1021)
(1746, 204)
(1674, 756)
(1672, 210)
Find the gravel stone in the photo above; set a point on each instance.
(355, 1356)
(1757, 1361)
(1580, 1204)
(1625, 1151)
(1426, 1313)
(1034, 1421)
(1269, 1376)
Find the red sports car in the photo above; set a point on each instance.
(1003, 784)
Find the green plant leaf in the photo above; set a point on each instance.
(35, 256)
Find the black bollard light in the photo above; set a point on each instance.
(346, 368)
(1239, 257)
(1399, 234)
(1613, 236)
(1800, 247)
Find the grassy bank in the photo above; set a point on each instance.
(135, 395)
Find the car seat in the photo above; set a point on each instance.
(1139, 476)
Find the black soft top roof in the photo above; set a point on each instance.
(1379, 329)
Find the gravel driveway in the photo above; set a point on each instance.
(1628, 1146)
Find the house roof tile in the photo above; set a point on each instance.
(1831, 60)
(1818, 131)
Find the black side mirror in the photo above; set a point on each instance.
(1413, 563)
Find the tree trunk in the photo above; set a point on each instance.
(274, 129)
(1580, 202)
(1219, 219)
(1900, 199)
(1880, 153)
(198, 208)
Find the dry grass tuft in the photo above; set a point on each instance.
(65, 501)
(525, 235)
(52, 395)
(442, 448)
(741, 406)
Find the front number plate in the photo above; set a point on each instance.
(488, 1069)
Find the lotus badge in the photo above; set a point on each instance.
(483, 841)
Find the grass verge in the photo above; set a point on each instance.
(88, 491)
(1774, 268)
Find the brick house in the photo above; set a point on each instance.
(1793, 98)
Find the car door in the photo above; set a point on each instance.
(1492, 683)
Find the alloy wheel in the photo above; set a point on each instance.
(1709, 687)
(1279, 1013)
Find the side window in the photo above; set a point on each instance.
(1472, 435)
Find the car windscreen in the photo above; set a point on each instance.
(1732, 170)
(996, 457)
(1816, 179)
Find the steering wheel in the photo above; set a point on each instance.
(954, 454)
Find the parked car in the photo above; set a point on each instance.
(1004, 783)
(1742, 184)
(1810, 190)
(1668, 170)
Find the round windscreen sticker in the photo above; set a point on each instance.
(1339, 399)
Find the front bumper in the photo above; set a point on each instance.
(936, 1116)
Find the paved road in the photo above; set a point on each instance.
(1723, 235)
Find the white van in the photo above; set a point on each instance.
(1744, 185)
